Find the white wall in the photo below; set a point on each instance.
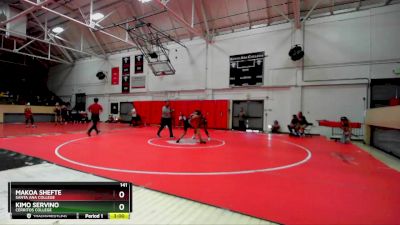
(190, 66)
(332, 102)
(347, 49)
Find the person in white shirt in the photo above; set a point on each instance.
(166, 119)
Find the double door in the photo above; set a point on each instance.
(254, 111)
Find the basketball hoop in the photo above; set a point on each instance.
(161, 68)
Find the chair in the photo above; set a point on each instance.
(307, 129)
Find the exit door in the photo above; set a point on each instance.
(253, 109)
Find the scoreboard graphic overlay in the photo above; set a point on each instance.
(69, 200)
(246, 69)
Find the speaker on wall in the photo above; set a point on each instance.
(114, 108)
(296, 53)
(101, 75)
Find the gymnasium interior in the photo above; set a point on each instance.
(214, 111)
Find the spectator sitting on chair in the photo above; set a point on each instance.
(276, 127)
(294, 126)
(74, 115)
(110, 119)
(345, 126)
(302, 122)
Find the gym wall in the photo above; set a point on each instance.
(345, 49)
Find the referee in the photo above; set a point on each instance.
(95, 109)
(166, 119)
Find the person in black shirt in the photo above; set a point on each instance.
(275, 127)
(64, 114)
(294, 126)
(302, 122)
(242, 120)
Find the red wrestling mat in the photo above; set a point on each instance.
(277, 178)
(45, 129)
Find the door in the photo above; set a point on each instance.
(253, 109)
(80, 101)
(114, 108)
(125, 110)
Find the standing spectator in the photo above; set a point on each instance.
(166, 119)
(69, 112)
(75, 115)
(28, 115)
(95, 109)
(64, 113)
(242, 120)
(57, 111)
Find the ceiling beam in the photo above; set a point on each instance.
(92, 33)
(267, 12)
(47, 42)
(296, 13)
(46, 31)
(183, 22)
(192, 25)
(34, 56)
(40, 60)
(54, 57)
(278, 10)
(81, 23)
(25, 12)
(229, 16)
(203, 13)
(183, 16)
(173, 26)
(23, 46)
(248, 12)
(135, 13)
(311, 10)
(53, 20)
(87, 22)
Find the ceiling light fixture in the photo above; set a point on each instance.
(144, 1)
(57, 30)
(97, 16)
